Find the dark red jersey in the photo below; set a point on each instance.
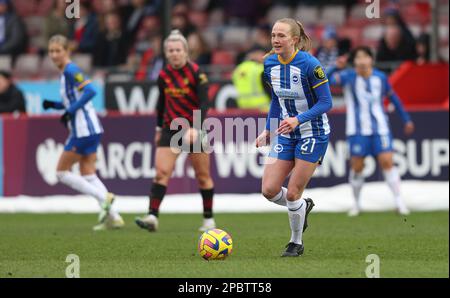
(181, 92)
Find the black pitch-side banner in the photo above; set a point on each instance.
(142, 97)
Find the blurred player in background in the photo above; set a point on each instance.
(300, 99)
(367, 127)
(182, 89)
(85, 133)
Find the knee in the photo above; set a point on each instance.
(386, 164)
(358, 167)
(293, 195)
(204, 179)
(162, 175)
(269, 192)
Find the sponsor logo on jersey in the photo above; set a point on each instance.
(319, 73)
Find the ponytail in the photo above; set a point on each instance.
(304, 42)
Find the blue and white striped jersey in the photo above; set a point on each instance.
(85, 121)
(364, 101)
(294, 90)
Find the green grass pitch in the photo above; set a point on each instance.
(36, 245)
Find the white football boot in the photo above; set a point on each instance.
(208, 223)
(149, 222)
(355, 211)
(110, 224)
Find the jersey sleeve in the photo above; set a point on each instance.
(316, 74)
(76, 76)
(321, 89)
(266, 76)
(393, 97)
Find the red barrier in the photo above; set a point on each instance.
(422, 85)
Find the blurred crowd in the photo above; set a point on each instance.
(126, 35)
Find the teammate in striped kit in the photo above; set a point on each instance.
(182, 92)
(300, 99)
(85, 131)
(367, 126)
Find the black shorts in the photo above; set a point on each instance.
(200, 145)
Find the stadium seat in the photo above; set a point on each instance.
(352, 32)
(358, 11)
(27, 66)
(5, 62)
(223, 57)
(373, 32)
(198, 18)
(211, 37)
(278, 12)
(48, 69)
(333, 14)
(235, 37)
(35, 31)
(216, 18)
(84, 61)
(307, 15)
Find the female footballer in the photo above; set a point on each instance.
(182, 89)
(85, 131)
(367, 127)
(297, 125)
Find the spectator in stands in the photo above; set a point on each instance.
(85, 30)
(199, 51)
(111, 47)
(393, 47)
(106, 7)
(262, 38)
(150, 27)
(181, 22)
(423, 49)
(398, 43)
(11, 98)
(393, 17)
(152, 61)
(249, 82)
(328, 52)
(246, 12)
(56, 22)
(32, 7)
(134, 14)
(13, 37)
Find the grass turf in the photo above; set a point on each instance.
(36, 245)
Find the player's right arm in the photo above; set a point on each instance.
(52, 104)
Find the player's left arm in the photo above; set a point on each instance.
(393, 97)
(321, 89)
(76, 76)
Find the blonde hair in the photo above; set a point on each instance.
(297, 30)
(60, 39)
(176, 35)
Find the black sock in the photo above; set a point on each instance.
(156, 196)
(207, 196)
